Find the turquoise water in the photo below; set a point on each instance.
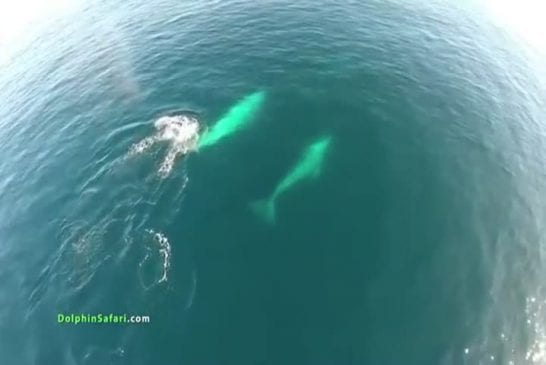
(421, 242)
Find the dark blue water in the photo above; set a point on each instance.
(421, 242)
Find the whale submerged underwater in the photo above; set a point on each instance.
(236, 118)
(309, 166)
(181, 132)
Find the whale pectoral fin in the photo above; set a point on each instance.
(265, 209)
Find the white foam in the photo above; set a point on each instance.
(168, 162)
(164, 251)
(181, 132)
(142, 146)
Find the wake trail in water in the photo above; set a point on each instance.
(165, 251)
(151, 273)
(191, 296)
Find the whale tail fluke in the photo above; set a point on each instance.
(265, 209)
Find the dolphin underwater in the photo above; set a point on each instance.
(309, 166)
(236, 118)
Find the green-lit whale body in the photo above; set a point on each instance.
(236, 118)
(309, 166)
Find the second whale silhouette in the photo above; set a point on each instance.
(309, 166)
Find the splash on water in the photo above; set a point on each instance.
(164, 249)
(181, 132)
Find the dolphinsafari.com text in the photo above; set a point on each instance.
(101, 318)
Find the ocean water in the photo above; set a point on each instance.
(421, 240)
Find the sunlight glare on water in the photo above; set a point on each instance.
(523, 17)
(18, 19)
